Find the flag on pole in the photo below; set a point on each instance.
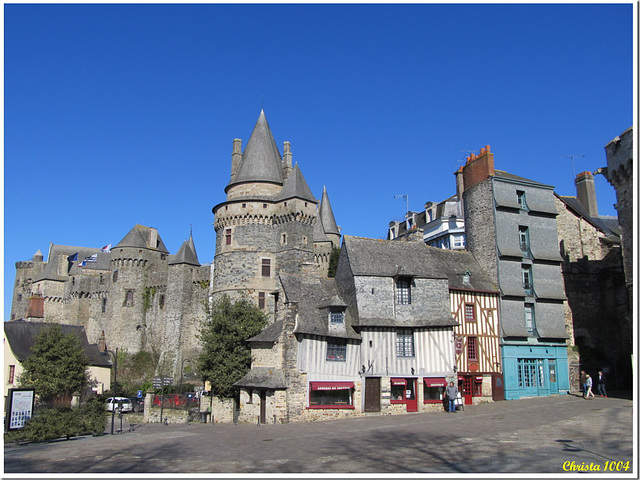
(106, 248)
(73, 258)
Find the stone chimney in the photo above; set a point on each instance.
(102, 343)
(35, 306)
(586, 189)
(478, 168)
(153, 238)
(459, 189)
(236, 156)
(287, 159)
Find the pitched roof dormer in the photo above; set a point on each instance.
(261, 160)
(295, 186)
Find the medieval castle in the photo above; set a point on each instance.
(137, 296)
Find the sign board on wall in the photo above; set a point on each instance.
(20, 410)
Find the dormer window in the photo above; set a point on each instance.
(522, 200)
(336, 316)
(523, 234)
(403, 291)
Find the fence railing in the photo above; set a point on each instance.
(176, 400)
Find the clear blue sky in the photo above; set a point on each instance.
(125, 114)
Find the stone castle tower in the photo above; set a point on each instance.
(270, 221)
(137, 296)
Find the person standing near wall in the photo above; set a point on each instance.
(602, 384)
(452, 393)
(589, 387)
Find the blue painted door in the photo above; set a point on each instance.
(528, 377)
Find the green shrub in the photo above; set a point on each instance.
(52, 423)
(94, 420)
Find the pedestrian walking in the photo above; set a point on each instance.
(589, 387)
(452, 393)
(583, 382)
(602, 384)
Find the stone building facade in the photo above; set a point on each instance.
(511, 230)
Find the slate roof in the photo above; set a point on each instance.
(261, 160)
(607, 225)
(138, 237)
(263, 377)
(186, 254)
(295, 186)
(445, 208)
(270, 334)
(390, 258)
(314, 296)
(326, 214)
(21, 336)
(58, 259)
(455, 264)
(511, 176)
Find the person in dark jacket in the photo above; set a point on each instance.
(452, 393)
(602, 384)
(583, 382)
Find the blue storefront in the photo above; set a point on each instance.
(535, 370)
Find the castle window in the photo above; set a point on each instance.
(470, 313)
(472, 348)
(266, 267)
(336, 350)
(262, 301)
(304, 239)
(128, 300)
(522, 200)
(404, 343)
(403, 291)
(19, 297)
(104, 305)
(244, 205)
(227, 236)
(12, 373)
(264, 205)
(115, 276)
(161, 302)
(283, 241)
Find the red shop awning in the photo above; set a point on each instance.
(398, 381)
(331, 385)
(435, 382)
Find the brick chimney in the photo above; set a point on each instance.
(586, 189)
(102, 343)
(478, 168)
(459, 189)
(35, 306)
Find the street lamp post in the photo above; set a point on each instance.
(115, 383)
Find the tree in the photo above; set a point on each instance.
(57, 365)
(333, 261)
(226, 356)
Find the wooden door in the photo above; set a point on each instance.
(372, 394)
(263, 406)
(410, 396)
(497, 387)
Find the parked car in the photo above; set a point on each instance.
(137, 404)
(123, 403)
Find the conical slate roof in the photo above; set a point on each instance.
(261, 160)
(139, 237)
(186, 254)
(326, 214)
(295, 186)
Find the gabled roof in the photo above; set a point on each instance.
(510, 176)
(261, 160)
(326, 214)
(295, 186)
(21, 336)
(263, 377)
(270, 334)
(314, 296)
(186, 254)
(458, 264)
(390, 258)
(607, 225)
(139, 237)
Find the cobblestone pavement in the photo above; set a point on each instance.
(535, 435)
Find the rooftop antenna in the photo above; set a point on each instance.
(572, 157)
(406, 197)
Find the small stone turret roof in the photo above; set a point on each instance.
(261, 159)
(295, 186)
(21, 336)
(326, 214)
(140, 236)
(186, 254)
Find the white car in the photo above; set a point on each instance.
(123, 403)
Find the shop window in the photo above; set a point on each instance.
(472, 348)
(470, 313)
(336, 350)
(403, 291)
(398, 387)
(404, 343)
(434, 389)
(477, 387)
(331, 395)
(266, 267)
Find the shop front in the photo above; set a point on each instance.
(403, 390)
